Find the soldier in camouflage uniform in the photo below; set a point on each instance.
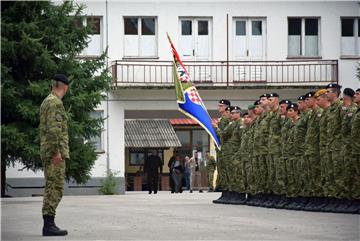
(323, 102)
(245, 155)
(234, 177)
(348, 110)
(288, 149)
(281, 178)
(337, 180)
(274, 165)
(54, 150)
(261, 149)
(223, 121)
(301, 169)
(355, 150)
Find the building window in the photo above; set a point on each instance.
(350, 36)
(137, 156)
(98, 140)
(140, 37)
(193, 140)
(95, 45)
(303, 37)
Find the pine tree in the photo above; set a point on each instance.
(39, 39)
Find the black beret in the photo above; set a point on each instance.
(358, 90)
(273, 95)
(349, 92)
(285, 102)
(310, 94)
(257, 102)
(264, 95)
(236, 108)
(292, 106)
(301, 97)
(62, 78)
(245, 113)
(333, 85)
(224, 102)
(229, 108)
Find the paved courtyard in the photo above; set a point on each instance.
(165, 216)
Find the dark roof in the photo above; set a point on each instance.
(149, 133)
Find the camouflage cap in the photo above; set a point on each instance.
(320, 93)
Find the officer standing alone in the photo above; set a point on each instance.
(54, 150)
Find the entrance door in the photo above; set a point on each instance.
(195, 45)
(249, 45)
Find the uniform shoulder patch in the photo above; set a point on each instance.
(58, 117)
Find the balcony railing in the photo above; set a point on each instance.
(223, 73)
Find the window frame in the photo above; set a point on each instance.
(139, 34)
(302, 37)
(146, 152)
(356, 30)
(101, 136)
(84, 23)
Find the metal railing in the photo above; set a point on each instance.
(223, 73)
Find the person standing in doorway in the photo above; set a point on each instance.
(54, 150)
(188, 173)
(152, 165)
(171, 180)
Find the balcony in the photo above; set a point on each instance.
(299, 73)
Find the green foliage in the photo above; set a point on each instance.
(109, 184)
(39, 39)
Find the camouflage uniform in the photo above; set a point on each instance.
(250, 166)
(222, 123)
(53, 139)
(336, 175)
(210, 169)
(274, 163)
(312, 154)
(355, 157)
(286, 125)
(290, 162)
(260, 151)
(347, 113)
(245, 155)
(301, 171)
(324, 155)
(229, 138)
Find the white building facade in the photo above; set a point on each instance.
(234, 49)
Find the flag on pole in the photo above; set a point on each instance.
(188, 97)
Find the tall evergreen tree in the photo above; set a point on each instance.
(39, 39)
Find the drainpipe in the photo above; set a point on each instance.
(227, 50)
(107, 95)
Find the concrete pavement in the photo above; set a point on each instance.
(165, 216)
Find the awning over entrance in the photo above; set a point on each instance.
(150, 133)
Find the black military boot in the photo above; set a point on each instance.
(221, 198)
(50, 229)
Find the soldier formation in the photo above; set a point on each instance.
(300, 156)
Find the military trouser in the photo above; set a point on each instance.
(239, 175)
(279, 175)
(251, 174)
(337, 162)
(248, 173)
(219, 167)
(228, 172)
(302, 175)
(291, 168)
(355, 187)
(325, 177)
(271, 181)
(260, 173)
(54, 186)
(210, 174)
(314, 182)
